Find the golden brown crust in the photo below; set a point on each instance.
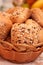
(37, 15)
(23, 35)
(10, 11)
(40, 35)
(19, 14)
(5, 26)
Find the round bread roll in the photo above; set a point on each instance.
(5, 26)
(25, 34)
(37, 15)
(19, 14)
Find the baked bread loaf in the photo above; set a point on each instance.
(19, 14)
(5, 26)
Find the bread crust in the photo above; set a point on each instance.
(19, 14)
(5, 26)
(37, 15)
(25, 34)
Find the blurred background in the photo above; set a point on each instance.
(5, 4)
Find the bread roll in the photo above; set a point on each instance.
(5, 26)
(25, 34)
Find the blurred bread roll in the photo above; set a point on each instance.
(5, 26)
(19, 14)
(37, 15)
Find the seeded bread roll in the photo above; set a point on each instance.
(19, 14)
(25, 34)
(5, 26)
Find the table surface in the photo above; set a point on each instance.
(38, 61)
